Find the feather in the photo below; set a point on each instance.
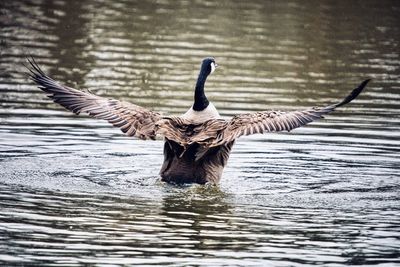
(132, 119)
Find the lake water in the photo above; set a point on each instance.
(74, 191)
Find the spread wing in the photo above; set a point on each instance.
(131, 119)
(274, 121)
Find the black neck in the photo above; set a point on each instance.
(200, 100)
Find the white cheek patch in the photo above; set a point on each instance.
(212, 67)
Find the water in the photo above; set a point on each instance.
(74, 191)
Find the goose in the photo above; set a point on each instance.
(198, 143)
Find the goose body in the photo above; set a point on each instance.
(198, 143)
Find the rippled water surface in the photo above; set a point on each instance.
(75, 191)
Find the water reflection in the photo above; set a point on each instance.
(74, 191)
(196, 212)
(194, 225)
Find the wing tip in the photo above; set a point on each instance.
(35, 74)
(354, 94)
(34, 67)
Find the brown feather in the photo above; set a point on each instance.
(132, 119)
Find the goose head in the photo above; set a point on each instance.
(208, 66)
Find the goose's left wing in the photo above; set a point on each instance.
(130, 118)
(274, 121)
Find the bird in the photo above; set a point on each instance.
(198, 143)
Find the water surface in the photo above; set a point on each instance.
(75, 191)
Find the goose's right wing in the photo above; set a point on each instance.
(131, 119)
(275, 121)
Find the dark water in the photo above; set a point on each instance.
(74, 191)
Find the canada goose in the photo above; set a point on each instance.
(197, 143)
